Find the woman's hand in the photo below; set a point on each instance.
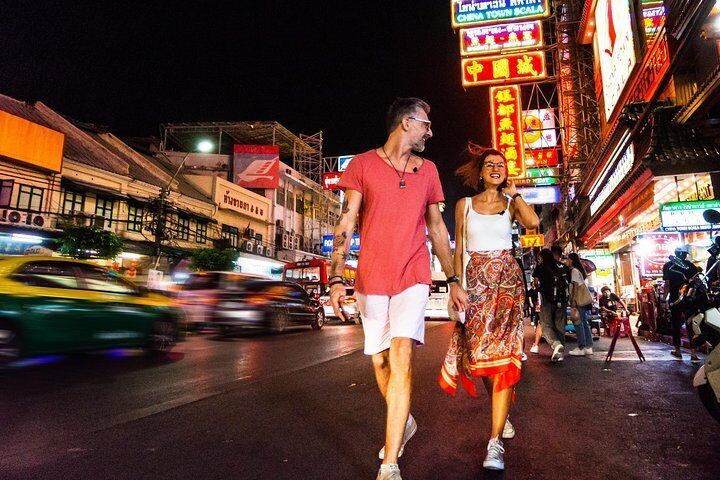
(510, 189)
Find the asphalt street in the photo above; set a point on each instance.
(304, 405)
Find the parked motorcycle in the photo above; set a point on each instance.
(703, 300)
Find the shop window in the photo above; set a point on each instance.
(104, 209)
(136, 214)
(30, 198)
(299, 204)
(73, 202)
(6, 189)
(232, 234)
(183, 228)
(280, 197)
(201, 232)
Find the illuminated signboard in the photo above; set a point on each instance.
(686, 216)
(539, 127)
(654, 250)
(542, 172)
(500, 38)
(609, 180)
(343, 162)
(540, 195)
(330, 180)
(541, 181)
(505, 110)
(31, 143)
(514, 68)
(653, 18)
(615, 47)
(327, 243)
(529, 241)
(466, 13)
(542, 158)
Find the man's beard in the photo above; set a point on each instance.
(419, 146)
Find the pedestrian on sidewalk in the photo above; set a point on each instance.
(676, 273)
(534, 295)
(489, 344)
(396, 195)
(553, 279)
(581, 301)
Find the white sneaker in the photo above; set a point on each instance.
(589, 351)
(577, 352)
(494, 459)
(410, 429)
(557, 355)
(524, 357)
(508, 430)
(534, 349)
(389, 472)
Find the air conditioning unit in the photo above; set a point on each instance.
(260, 249)
(38, 220)
(286, 241)
(249, 246)
(269, 252)
(12, 216)
(291, 242)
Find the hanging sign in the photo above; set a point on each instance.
(539, 128)
(501, 38)
(654, 249)
(687, 216)
(542, 158)
(482, 12)
(506, 127)
(513, 68)
(542, 172)
(541, 195)
(529, 241)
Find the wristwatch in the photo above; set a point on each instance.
(453, 279)
(517, 194)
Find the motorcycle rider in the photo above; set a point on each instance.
(676, 272)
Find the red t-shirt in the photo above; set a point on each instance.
(393, 252)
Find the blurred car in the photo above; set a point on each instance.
(53, 305)
(348, 304)
(266, 304)
(200, 294)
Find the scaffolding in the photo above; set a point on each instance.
(308, 156)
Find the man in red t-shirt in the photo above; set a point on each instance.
(396, 195)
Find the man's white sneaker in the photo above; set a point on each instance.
(508, 430)
(577, 352)
(524, 357)
(534, 349)
(494, 459)
(557, 355)
(589, 351)
(389, 472)
(410, 429)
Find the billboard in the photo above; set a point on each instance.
(541, 195)
(327, 243)
(330, 180)
(615, 48)
(686, 216)
(653, 18)
(539, 128)
(542, 158)
(512, 68)
(344, 161)
(501, 38)
(256, 166)
(506, 127)
(30, 143)
(467, 13)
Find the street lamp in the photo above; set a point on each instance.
(205, 146)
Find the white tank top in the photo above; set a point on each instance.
(488, 232)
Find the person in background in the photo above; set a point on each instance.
(582, 301)
(553, 279)
(713, 274)
(534, 300)
(609, 305)
(676, 272)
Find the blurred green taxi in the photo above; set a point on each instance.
(54, 305)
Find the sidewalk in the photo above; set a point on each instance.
(573, 420)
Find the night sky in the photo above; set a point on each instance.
(313, 65)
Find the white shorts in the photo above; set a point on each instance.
(385, 317)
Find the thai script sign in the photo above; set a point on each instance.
(466, 13)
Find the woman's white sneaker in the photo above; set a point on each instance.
(577, 352)
(508, 430)
(534, 349)
(494, 459)
(589, 351)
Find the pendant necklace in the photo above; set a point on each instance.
(401, 177)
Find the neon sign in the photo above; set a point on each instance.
(515, 68)
(500, 38)
(547, 157)
(507, 127)
(466, 13)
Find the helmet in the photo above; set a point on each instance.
(682, 249)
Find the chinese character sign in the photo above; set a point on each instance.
(520, 67)
(507, 127)
(539, 125)
(482, 12)
(500, 38)
(542, 158)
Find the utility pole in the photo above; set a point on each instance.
(161, 212)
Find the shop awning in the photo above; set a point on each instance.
(90, 187)
(678, 150)
(189, 213)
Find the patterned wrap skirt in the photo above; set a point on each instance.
(490, 342)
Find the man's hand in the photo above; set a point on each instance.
(337, 293)
(458, 297)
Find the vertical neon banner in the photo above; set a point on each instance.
(507, 128)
